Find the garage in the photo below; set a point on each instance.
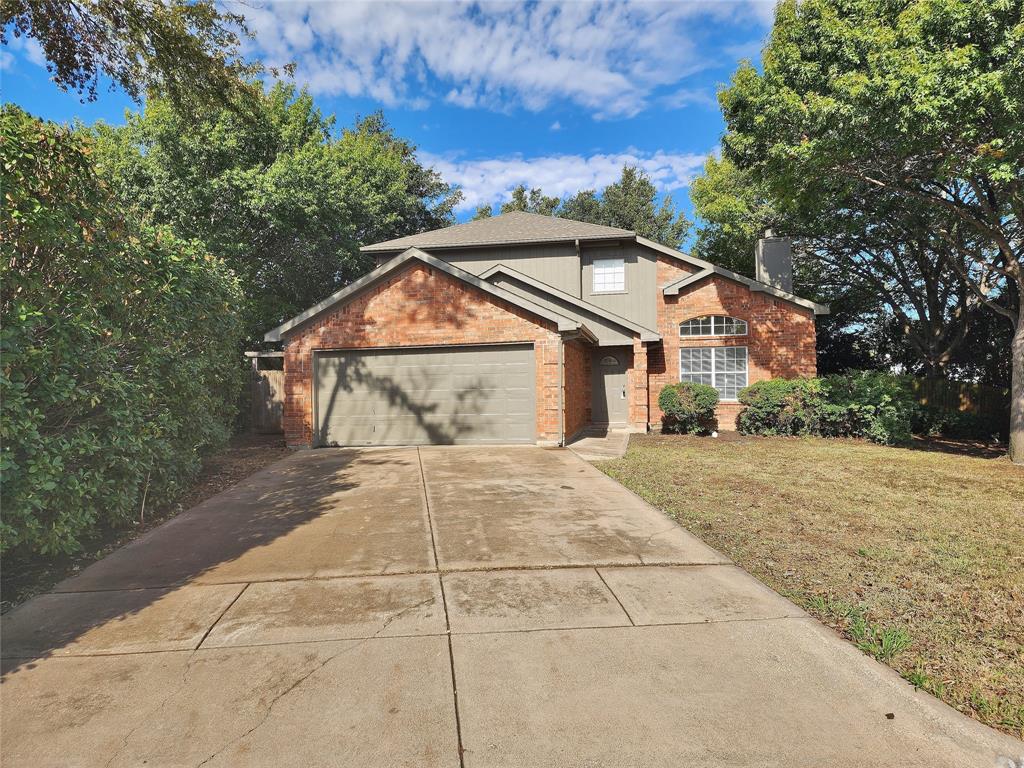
(426, 395)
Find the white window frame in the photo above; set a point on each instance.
(612, 265)
(715, 319)
(714, 372)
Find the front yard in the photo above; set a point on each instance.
(915, 555)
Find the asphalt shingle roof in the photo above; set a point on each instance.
(508, 228)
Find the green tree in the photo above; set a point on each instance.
(119, 344)
(533, 201)
(733, 212)
(275, 193)
(629, 203)
(923, 100)
(483, 212)
(185, 50)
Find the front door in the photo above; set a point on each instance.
(608, 387)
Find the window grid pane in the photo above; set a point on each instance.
(724, 368)
(713, 325)
(609, 275)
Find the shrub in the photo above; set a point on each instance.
(688, 407)
(780, 407)
(957, 425)
(868, 404)
(119, 344)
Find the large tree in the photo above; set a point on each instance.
(276, 193)
(629, 203)
(185, 50)
(921, 99)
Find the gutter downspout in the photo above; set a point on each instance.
(561, 392)
(579, 261)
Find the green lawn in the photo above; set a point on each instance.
(916, 556)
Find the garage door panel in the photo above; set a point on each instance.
(432, 395)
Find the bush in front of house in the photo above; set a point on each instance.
(780, 407)
(867, 404)
(120, 348)
(688, 407)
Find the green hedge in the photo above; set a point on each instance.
(867, 404)
(688, 407)
(119, 345)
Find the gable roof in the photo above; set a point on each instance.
(506, 229)
(561, 322)
(706, 269)
(646, 334)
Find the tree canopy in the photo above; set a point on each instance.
(187, 51)
(276, 194)
(917, 106)
(629, 203)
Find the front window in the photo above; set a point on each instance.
(724, 368)
(713, 325)
(609, 275)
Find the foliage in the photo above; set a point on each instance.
(734, 212)
(688, 407)
(780, 407)
(275, 195)
(119, 346)
(628, 203)
(865, 106)
(868, 404)
(187, 51)
(956, 425)
(533, 201)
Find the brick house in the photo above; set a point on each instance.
(531, 329)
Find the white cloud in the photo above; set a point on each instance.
(607, 56)
(492, 180)
(28, 48)
(556, 126)
(686, 97)
(6, 60)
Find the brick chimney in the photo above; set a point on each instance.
(773, 261)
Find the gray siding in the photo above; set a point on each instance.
(558, 265)
(637, 302)
(607, 333)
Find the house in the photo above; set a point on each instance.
(529, 329)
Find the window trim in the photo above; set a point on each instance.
(713, 335)
(746, 372)
(593, 275)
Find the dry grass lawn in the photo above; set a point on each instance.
(916, 556)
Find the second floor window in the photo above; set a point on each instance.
(609, 275)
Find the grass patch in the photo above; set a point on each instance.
(916, 556)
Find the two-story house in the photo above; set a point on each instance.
(529, 329)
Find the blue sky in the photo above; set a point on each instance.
(556, 96)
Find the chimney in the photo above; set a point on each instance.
(773, 261)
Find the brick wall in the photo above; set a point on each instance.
(577, 387)
(418, 306)
(781, 340)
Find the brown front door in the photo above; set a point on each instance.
(608, 385)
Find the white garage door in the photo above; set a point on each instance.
(433, 395)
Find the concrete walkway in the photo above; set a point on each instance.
(600, 445)
(446, 607)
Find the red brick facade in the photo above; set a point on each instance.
(418, 306)
(577, 387)
(780, 342)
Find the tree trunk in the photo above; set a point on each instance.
(1017, 392)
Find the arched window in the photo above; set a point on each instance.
(713, 325)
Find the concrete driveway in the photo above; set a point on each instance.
(446, 607)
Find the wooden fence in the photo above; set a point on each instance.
(266, 389)
(980, 399)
